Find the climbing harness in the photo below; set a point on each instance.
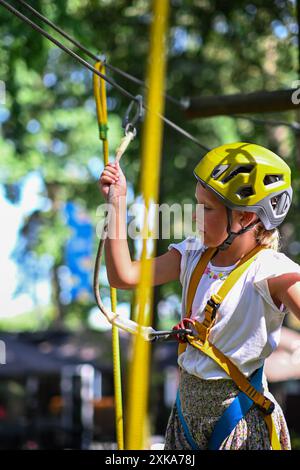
(250, 391)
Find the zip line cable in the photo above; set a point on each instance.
(87, 65)
(66, 49)
(182, 104)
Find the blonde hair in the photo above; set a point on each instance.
(267, 238)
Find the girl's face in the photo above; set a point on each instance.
(215, 217)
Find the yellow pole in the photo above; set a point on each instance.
(151, 154)
(100, 97)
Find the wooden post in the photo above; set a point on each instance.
(256, 102)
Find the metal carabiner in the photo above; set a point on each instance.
(169, 335)
(129, 124)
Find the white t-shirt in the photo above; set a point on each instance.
(248, 324)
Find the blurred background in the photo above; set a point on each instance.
(56, 383)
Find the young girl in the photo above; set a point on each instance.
(246, 193)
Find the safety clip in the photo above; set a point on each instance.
(169, 335)
(130, 124)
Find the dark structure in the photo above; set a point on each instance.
(56, 390)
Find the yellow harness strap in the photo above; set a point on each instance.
(194, 282)
(216, 299)
(202, 343)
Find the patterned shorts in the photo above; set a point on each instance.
(203, 403)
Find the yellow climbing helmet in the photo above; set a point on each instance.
(248, 177)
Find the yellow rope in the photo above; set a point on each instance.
(100, 97)
(151, 153)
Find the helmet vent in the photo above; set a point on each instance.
(218, 171)
(270, 179)
(245, 192)
(237, 171)
(281, 203)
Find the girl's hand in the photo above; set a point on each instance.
(183, 325)
(113, 175)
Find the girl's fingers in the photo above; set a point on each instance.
(106, 174)
(109, 174)
(109, 171)
(112, 175)
(112, 167)
(108, 181)
(188, 321)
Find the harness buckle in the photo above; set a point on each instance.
(214, 303)
(267, 407)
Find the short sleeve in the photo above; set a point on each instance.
(185, 247)
(181, 247)
(272, 264)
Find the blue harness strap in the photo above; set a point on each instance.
(229, 419)
(234, 413)
(186, 430)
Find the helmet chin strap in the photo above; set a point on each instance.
(232, 235)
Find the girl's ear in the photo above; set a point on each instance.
(247, 218)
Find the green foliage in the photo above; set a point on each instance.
(36, 319)
(295, 441)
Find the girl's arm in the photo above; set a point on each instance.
(285, 289)
(123, 273)
(166, 268)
